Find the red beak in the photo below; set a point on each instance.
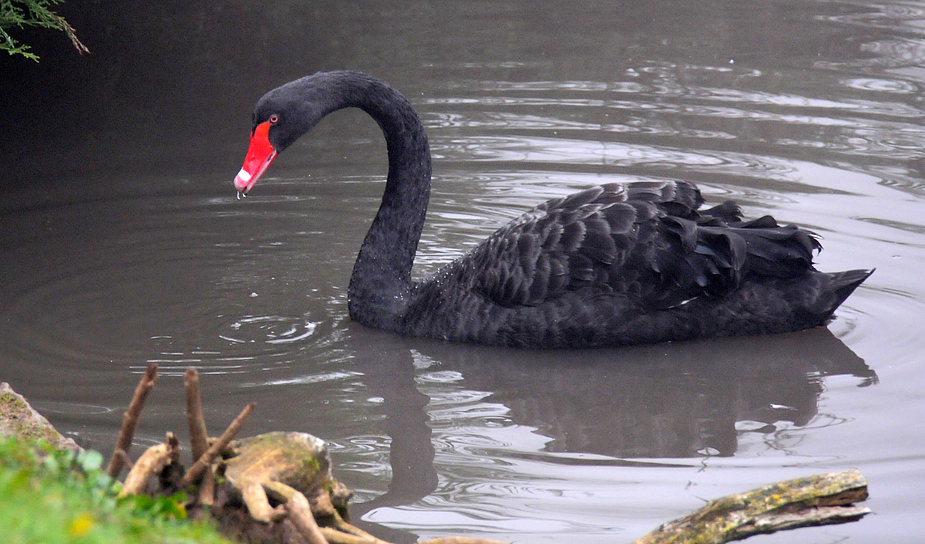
(260, 154)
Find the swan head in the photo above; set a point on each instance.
(280, 118)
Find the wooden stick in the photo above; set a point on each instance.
(130, 420)
(206, 493)
(815, 500)
(151, 462)
(205, 461)
(126, 460)
(199, 436)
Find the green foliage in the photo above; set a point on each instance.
(57, 496)
(20, 13)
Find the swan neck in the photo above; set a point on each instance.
(381, 279)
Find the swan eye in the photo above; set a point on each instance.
(274, 119)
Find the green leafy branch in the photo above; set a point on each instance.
(36, 13)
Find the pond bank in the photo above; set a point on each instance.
(19, 418)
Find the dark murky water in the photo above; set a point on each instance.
(811, 111)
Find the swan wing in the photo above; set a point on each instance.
(644, 241)
(582, 241)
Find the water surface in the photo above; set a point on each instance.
(117, 256)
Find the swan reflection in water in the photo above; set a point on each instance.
(668, 401)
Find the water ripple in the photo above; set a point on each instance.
(270, 329)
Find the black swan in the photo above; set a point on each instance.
(611, 265)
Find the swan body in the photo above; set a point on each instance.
(610, 265)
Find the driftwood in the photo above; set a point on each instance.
(814, 500)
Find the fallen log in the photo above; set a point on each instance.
(822, 499)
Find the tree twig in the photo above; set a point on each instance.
(130, 421)
(71, 34)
